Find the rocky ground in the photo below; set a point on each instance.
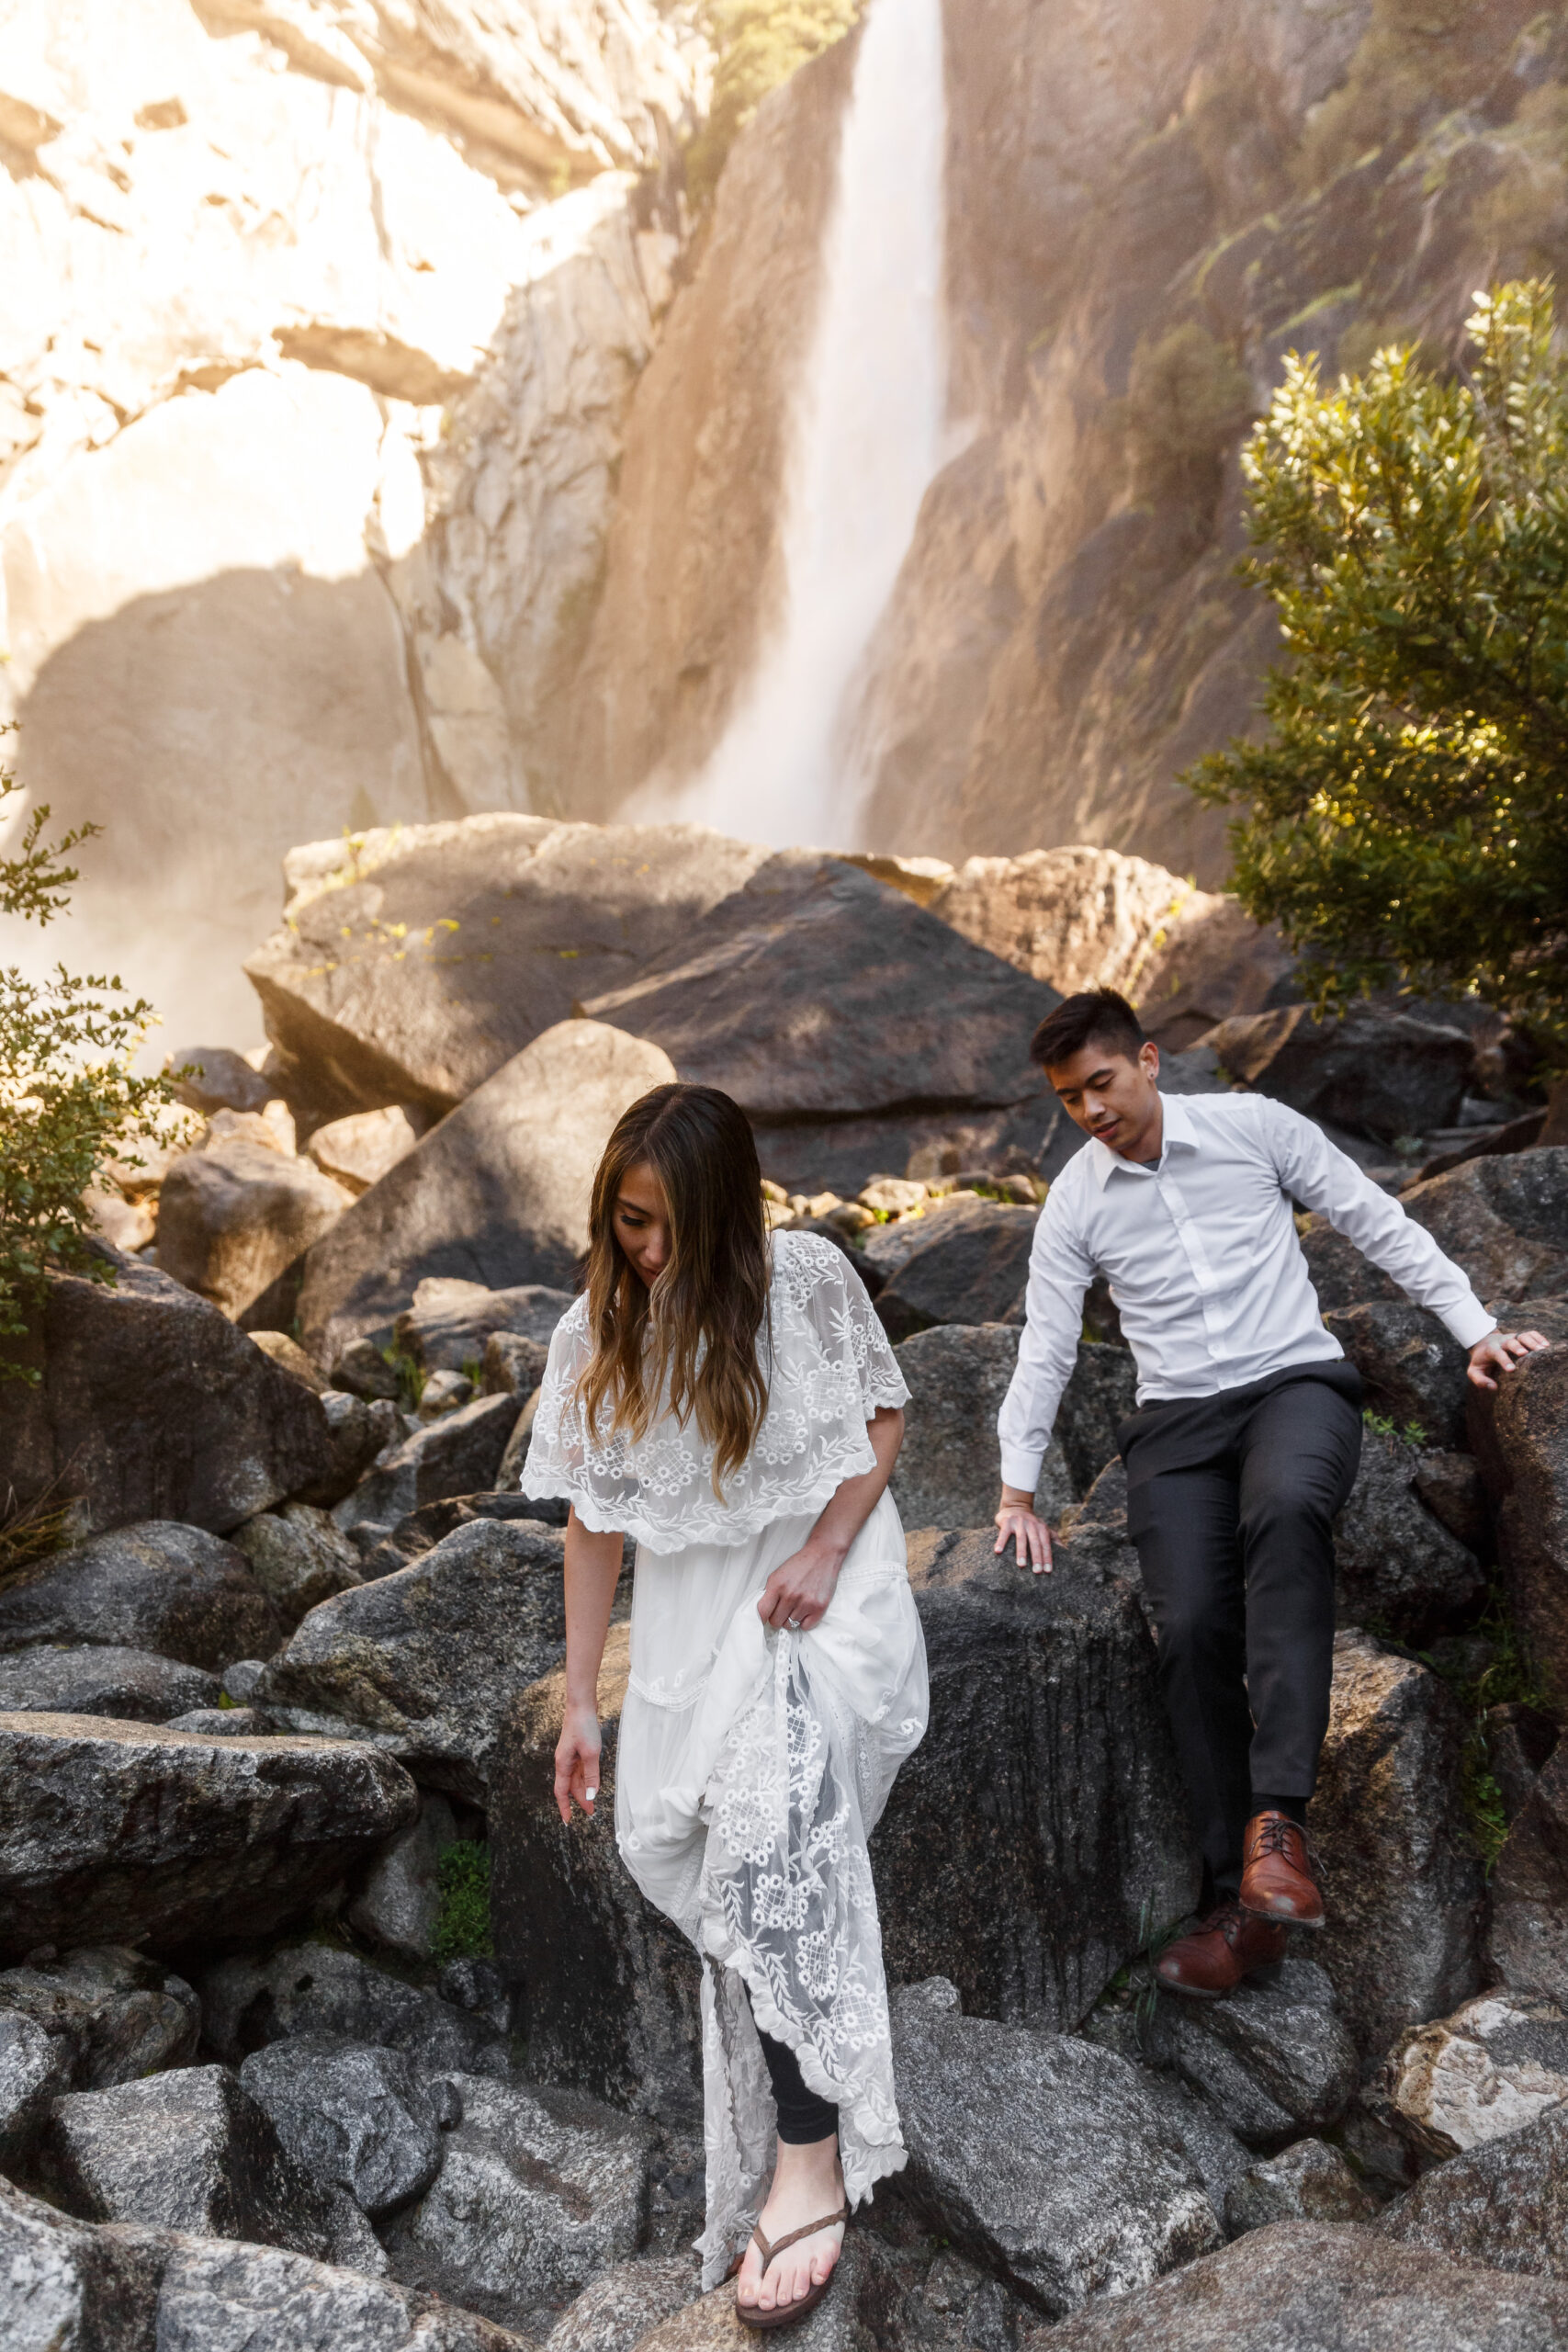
(317, 2031)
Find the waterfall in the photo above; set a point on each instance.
(868, 432)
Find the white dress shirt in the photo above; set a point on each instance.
(1204, 1262)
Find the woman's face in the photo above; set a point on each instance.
(640, 1218)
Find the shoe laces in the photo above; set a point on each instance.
(1275, 1836)
(1225, 1919)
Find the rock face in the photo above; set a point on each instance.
(1489, 2070)
(156, 1586)
(112, 1831)
(1305, 2285)
(1029, 1895)
(1411, 1370)
(151, 1406)
(498, 1192)
(1503, 2204)
(320, 1992)
(233, 1219)
(1396, 1564)
(946, 1474)
(1403, 1882)
(134, 1686)
(1273, 2060)
(1378, 1075)
(1529, 1941)
(539, 2190)
(1040, 2157)
(427, 1660)
(398, 1903)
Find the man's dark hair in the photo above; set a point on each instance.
(1095, 1016)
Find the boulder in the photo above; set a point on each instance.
(399, 1897)
(1505, 1221)
(460, 1454)
(451, 1321)
(156, 1586)
(110, 2014)
(1039, 2155)
(290, 1357)
(410, 1538)
(1520, 1742)
(1072, 1834)
(867, 2306)
(1452, 1486)
(1521, 1434)
(1504, 2202)
(224, 1723)
(609, 1987)
(947, 1473)
(625, 2304)
(1307, 2182)
(513, 1365)
(299, 1556)
(1491, 2069)
(33, 2073)
(1528, 1945)
(1079, 918)
(353, 2116)
(321, 1990)
(67, 2287)
(135, 1686)
(1274, 2060)
(427, 1660)
(361, 1370)
(190, 2150)
(233, 1220)
(1310, 2285)
(971, 1268)
(357, 1152)
(1101, 1393)
(416, 975)
(781, 998)
(1413, 1374)
(151, 1405)
(1396, 1564)
(1403, 1881)
(497, 1194)
(212, 1077)
(1381, 1074)
(539, 2190)
(217, 2296)
(442, 1393)
(127, 1831)
(360, 1430)
(1216, 963)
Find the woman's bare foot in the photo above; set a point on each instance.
(807, 2183)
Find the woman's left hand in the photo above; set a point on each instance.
(796, 1595)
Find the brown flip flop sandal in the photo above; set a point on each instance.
(785, 2315)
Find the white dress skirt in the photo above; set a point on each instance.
(754, 1766)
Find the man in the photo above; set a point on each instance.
(1245, 1443)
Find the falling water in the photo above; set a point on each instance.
(868, 435)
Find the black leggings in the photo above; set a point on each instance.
(803, 2116)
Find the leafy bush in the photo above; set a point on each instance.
(760, 43)
(462, 1922)
(68, 1099)
(1404, 820)
(1187, 396)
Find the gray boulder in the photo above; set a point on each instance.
(319, 1989)
(359, 1429)
(459, 1455)
(224, 1723)
(426, 1660)
(1325, 2287)
(217, 2296)
(420, 1532)
(497, 1194)
(513, 1365)
(150, 1404)
(1403, 1880)
(451, 1321)
(539, 2191)
(1488, 2071)
(1396, 1564)
(354, 2116)
(869, 2305)
(1380, 1074)
(112, 1831)
(1411, 1370)
(1274, 2060)
(971, 1268)
(947, 1473)
(358, 1151)
(67, 2287)
(1528, 1945)
(135, 1686)
(111, 2014)
(155, 1586)
(1504, 2203)
(191, 2151)
(1039, 2155)
(1505, 1221)
(1452, 1486)
(399, 1897)
(214, 1078)
(609, 1987)
(625, 2304)
(34, 2071)
(299, 1556)
(234, 1221)
(361, 1370)
(1309, 2181)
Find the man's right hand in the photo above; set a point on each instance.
(1017, 1524)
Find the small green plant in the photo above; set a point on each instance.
(473, 1372)
(1510, 1675)
(410, 1377)
(462, 1921)
(1383, 1425)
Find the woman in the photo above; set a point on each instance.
(732, 1404)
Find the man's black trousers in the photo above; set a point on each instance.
(1231, 1501)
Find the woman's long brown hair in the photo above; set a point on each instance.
(692, 1339)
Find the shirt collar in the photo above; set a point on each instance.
(1179, 1135)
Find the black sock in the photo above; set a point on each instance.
(1294, 1808)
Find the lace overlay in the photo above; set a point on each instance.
(830, 1368)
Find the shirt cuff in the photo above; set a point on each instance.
(1021, 1469)
(1469, 1321)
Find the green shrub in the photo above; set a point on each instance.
(462, 1922)
(760, 43)
(1187, 396)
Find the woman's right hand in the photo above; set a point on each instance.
(577, 1761)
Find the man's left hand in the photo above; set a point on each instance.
(1499, 1352)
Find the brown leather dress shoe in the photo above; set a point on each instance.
(1278, 1872)
(1227, 1946)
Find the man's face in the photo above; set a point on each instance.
(1107, 1094)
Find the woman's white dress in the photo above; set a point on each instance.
(753, 1766)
